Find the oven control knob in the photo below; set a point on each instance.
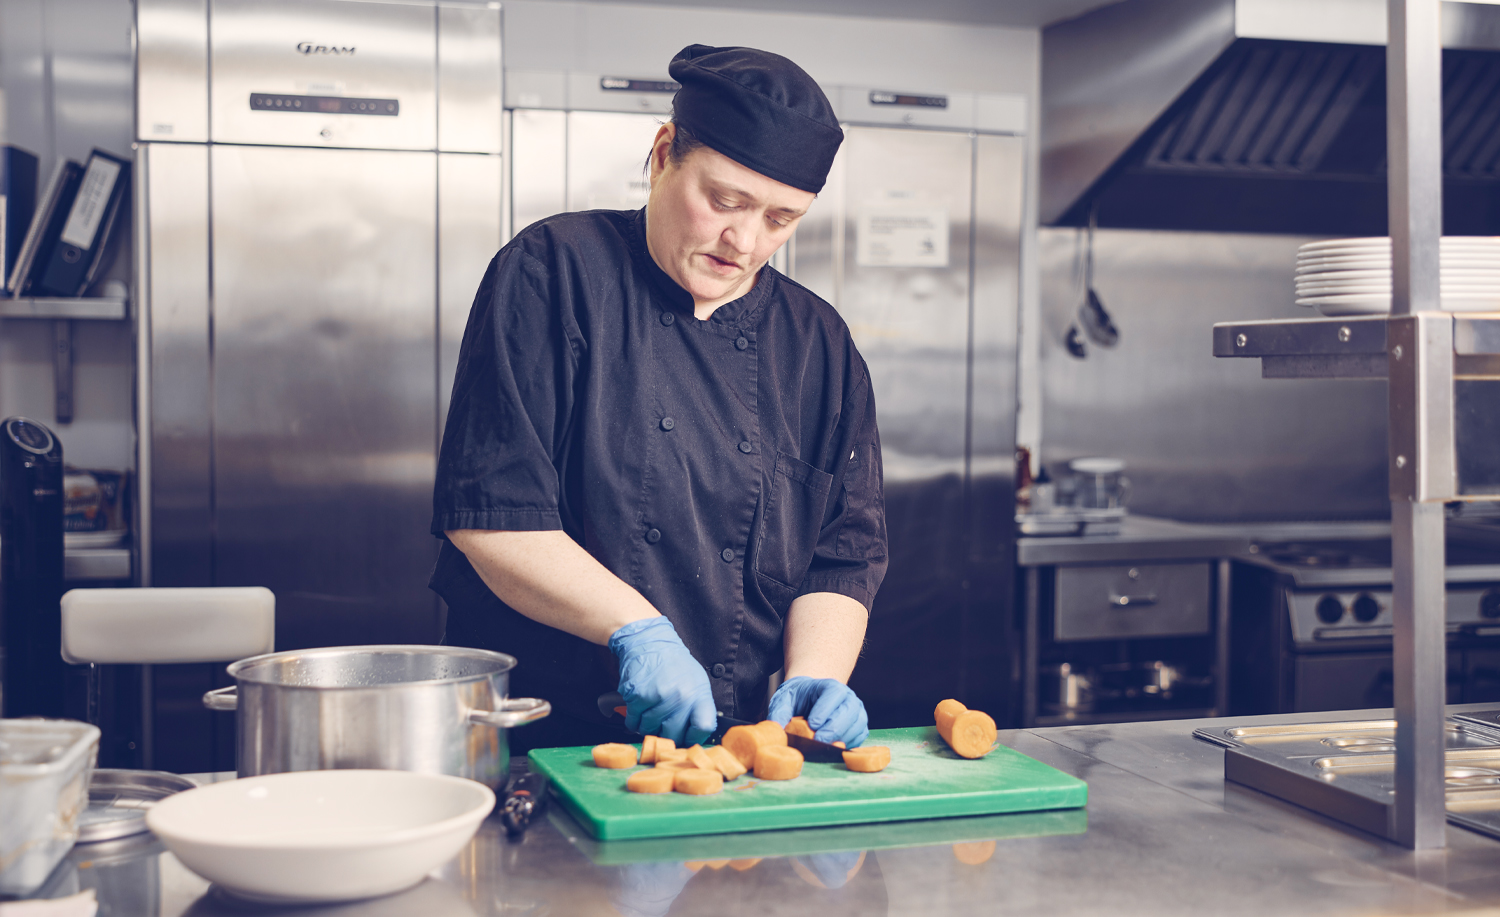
(1330, 609)
(1366, 608)
(1489, 603)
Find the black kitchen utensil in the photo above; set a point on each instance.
(612, 704)
(524, 799)
(1092, 315)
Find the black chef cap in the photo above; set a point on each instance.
(759, 109)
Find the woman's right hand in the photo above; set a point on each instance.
(666, 690)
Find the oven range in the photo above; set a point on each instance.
(1310, 626)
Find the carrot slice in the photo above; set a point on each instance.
(648, 749)
(727, 764)
(614, 755)
(744, 742)
(944, 715)
(742, 865)
(700, 758)
(668, 755)
(839, 745)
(697, 782)
(773, 732)
(682, 765)
(798, 727)
(867, 759)
(777, 762)
(664, 745)
(972, 734)
(653, 780)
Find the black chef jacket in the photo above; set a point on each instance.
(721, 467)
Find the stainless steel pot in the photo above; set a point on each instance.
(431, 709)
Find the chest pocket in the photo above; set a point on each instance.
(792, 520)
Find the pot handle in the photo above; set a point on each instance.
(223, 698)
(514, 711)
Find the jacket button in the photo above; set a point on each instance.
(727, 553)
(741, 343)
(653, 535)
(668, 423)
(668, 318)
(745, 447)
(719, 670)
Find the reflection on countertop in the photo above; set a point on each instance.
(1163, 834)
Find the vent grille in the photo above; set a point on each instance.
(1319, 109)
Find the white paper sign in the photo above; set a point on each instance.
(88, 207)
(902, 237)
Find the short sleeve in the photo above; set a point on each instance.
(512, 397)
(851, 554)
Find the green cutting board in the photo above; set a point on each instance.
(925, 779)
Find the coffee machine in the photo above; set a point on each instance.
(31, 569)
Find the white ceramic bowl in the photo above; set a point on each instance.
(321, 835)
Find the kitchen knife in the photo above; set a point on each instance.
(524, 799)
(612, 707)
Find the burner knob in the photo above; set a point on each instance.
(1330, 609)
(1366, 608)
(1489, 603)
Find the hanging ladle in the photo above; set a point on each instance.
(1091, 313)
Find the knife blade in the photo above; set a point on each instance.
(612, 705)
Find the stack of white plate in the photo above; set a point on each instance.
(1353, 276)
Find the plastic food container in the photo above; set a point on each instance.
(45, 768)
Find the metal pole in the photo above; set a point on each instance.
(1421, 390)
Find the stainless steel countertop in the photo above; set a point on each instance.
(1162, 835)
(1145, 538)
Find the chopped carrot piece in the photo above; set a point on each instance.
(777, 762)
(700, 758)
(944, 715)
(798, 727)
(614, 755)
(773, 732)
(972, 734)
(743, 742)
(653, 780)
(695, 782)
(726, 763)
(648, 749)
(742, 865)
(867, 759)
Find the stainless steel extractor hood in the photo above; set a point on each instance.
(1253, 116)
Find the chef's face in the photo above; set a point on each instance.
(712, 223)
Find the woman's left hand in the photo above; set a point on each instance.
(833, 711)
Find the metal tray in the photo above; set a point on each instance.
(1347, 770)
(1351, 737)
(118, 800)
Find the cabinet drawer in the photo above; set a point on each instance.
(1144, 600)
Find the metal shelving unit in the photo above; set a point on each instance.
(1419, 350)
(63, 312)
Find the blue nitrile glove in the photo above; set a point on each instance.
(834, 712)
(665, 689)
(649, 889)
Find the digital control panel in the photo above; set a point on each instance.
(324, 105)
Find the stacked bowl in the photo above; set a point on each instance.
(1353, 276)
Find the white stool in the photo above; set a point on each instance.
(151, 626)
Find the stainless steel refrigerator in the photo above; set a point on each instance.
(916, 241)
(318, 193)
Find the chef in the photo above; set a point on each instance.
(661, 470)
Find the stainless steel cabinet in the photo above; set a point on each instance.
(916, 241)
(319, 191)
